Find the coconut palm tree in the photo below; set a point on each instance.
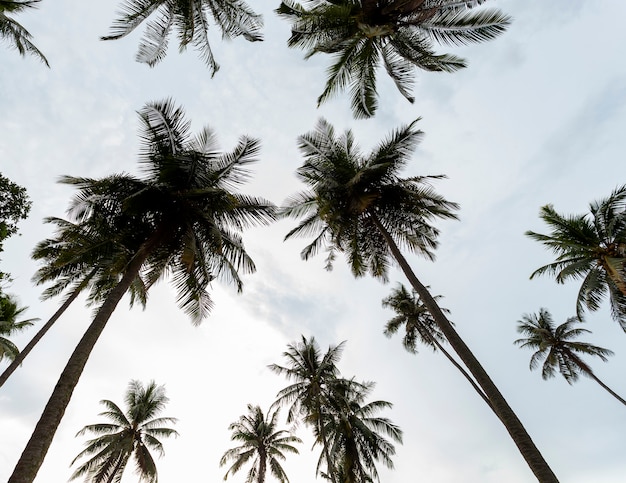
(261, 443)
(9, 325)
(358, 204)
(591, 247)
(557, 348)
(187, 216)
(130, 434)
(420, 326)
(190, 19)
(399, 34)
(13, 32)
(356, 437)
(313, 375)
(79, 257)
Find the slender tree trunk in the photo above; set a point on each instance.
(38, 336)
(329, 463)
(262, 465)
(614, 275)
(587, 371)
(464, 372)
(33, 455)
(518, 433)
(607, 388)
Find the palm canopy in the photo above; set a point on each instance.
(352, 196)
(356, 436)
(185, 203)
(131, 433)
(13, 32)
(411, 313)
(556, 346)
(399, 34)
(190, 19)
(10, 312)
(591, 247)
(261, 443)
(187, 217)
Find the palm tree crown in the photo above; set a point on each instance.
(190, 19)
(400, 34)
(262, 443)
(9, 325)
(558, 349)
(182, 220)
(591, 247)
(13, 32)
(353, 195)
(132, 433)
(356, 436)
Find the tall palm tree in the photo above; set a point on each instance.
(313, 376)
(130, 434)
(591, 247)
(190, 19)
(399, 34)
(420, 326)
(359, 205)
(356, 436)
(261, 443)
(13, 32)
(79, 257)
(558, 349)
(187, 217)
(9, 325)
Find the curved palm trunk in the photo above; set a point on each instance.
(516, 430)
(464, 372)
(262, 465)
(39, 335)
(33, 455)
(615, 276)
(587, 371)
(330, 467)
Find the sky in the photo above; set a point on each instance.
(536, 118)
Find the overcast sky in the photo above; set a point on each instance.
(537, 117)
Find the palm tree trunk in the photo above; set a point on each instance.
(330, 467)
(516, 430)
(464, 372)
(38, 336)
(587, 371)
(607, 388)
(33, 455)
(614, 275)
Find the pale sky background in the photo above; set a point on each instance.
(538, 117)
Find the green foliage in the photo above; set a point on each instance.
(399, 34)
(351, 194)
(12, 32)
(131, 433)
(591, 247)
(14, 206)
(190, 19)
(334, 407)
(9, 325)
(261, 444)
(556, 347)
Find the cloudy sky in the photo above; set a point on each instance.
(537, 118)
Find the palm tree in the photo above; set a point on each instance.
(187, 218)
(261, 443)
(591, 247)
(313, 377)
(400, 34)
(9, 326)
(354, 434)
(77, 258)
(359, 205)
(189, 18)
(420, 326)
(132, 433)
(558, 349)
(13, 32)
